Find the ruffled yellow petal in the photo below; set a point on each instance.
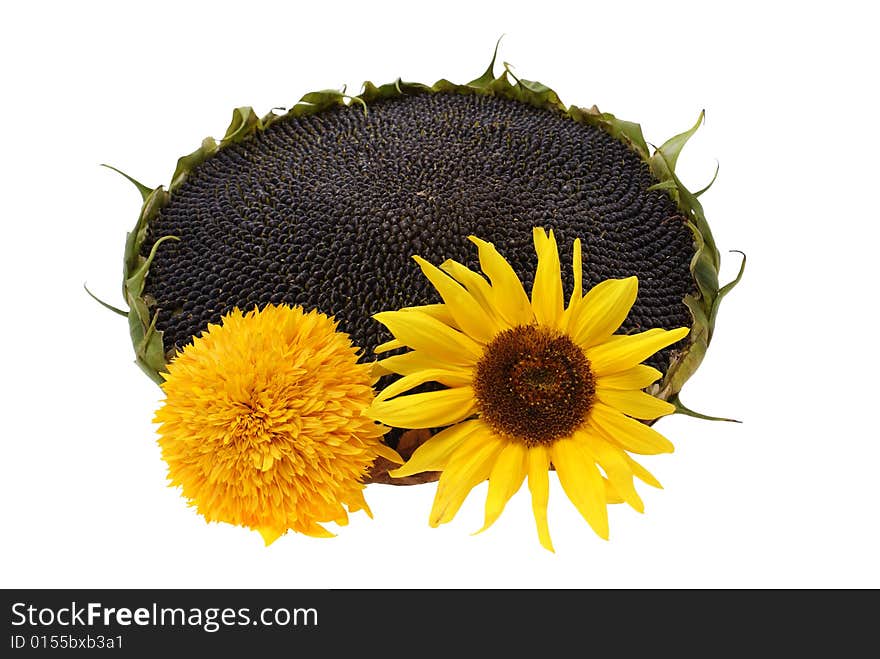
(508, 295)
(602, 310)
(623, 352)
(635, 378)
(582, 483)
(470, 465)
(312, 529)
(468, 314)
(547, 288)
(434, 454)
(477, 286)
(341, 518)
(420, 331)
(271, 535)
(614, 463)
(539, 486)
(431, 409)
(264, 423)
(505, 479)
(636, 404)
(449, 377)
(359, 503)
(630, 434)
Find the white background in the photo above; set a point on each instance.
(789, 498)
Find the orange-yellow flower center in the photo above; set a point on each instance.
(534, 385)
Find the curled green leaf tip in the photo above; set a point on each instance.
(106, 305)
(712, 182)
(489, 74)
(143, 189)
(680, 408)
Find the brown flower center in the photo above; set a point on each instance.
(534, 385)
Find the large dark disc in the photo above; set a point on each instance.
(327, 210)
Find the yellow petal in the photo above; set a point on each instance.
(420, 331)
(316, 531)
(434, 454)
(341, 518)
(357, 502)
(613, 461)
(508, 295)
(582, 483)
(468, 314)
(547, 288)
(270, 535)
(470, 465)
(430, 409)
(577, 269)
(602, 310)
(636, 404)
(438, 311)
(389, 454)
(477, 286)
(611, 495)
(393, 344)
(642, 474)
(505, 479)
(637, 377)
(539, 486)
(451, 378)
(630, 434)
(414, 361)
(378, 370)
(620, 353)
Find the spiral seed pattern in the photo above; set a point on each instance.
(326, 211)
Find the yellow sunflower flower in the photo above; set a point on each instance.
(530, 383)
(264, 424)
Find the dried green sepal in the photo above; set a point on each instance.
(711, 183)
(106, 305)
(704, 266)
(680, 408)
(147, 340)
(145, 191)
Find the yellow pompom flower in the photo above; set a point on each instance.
(264, 425)
(531, 383)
